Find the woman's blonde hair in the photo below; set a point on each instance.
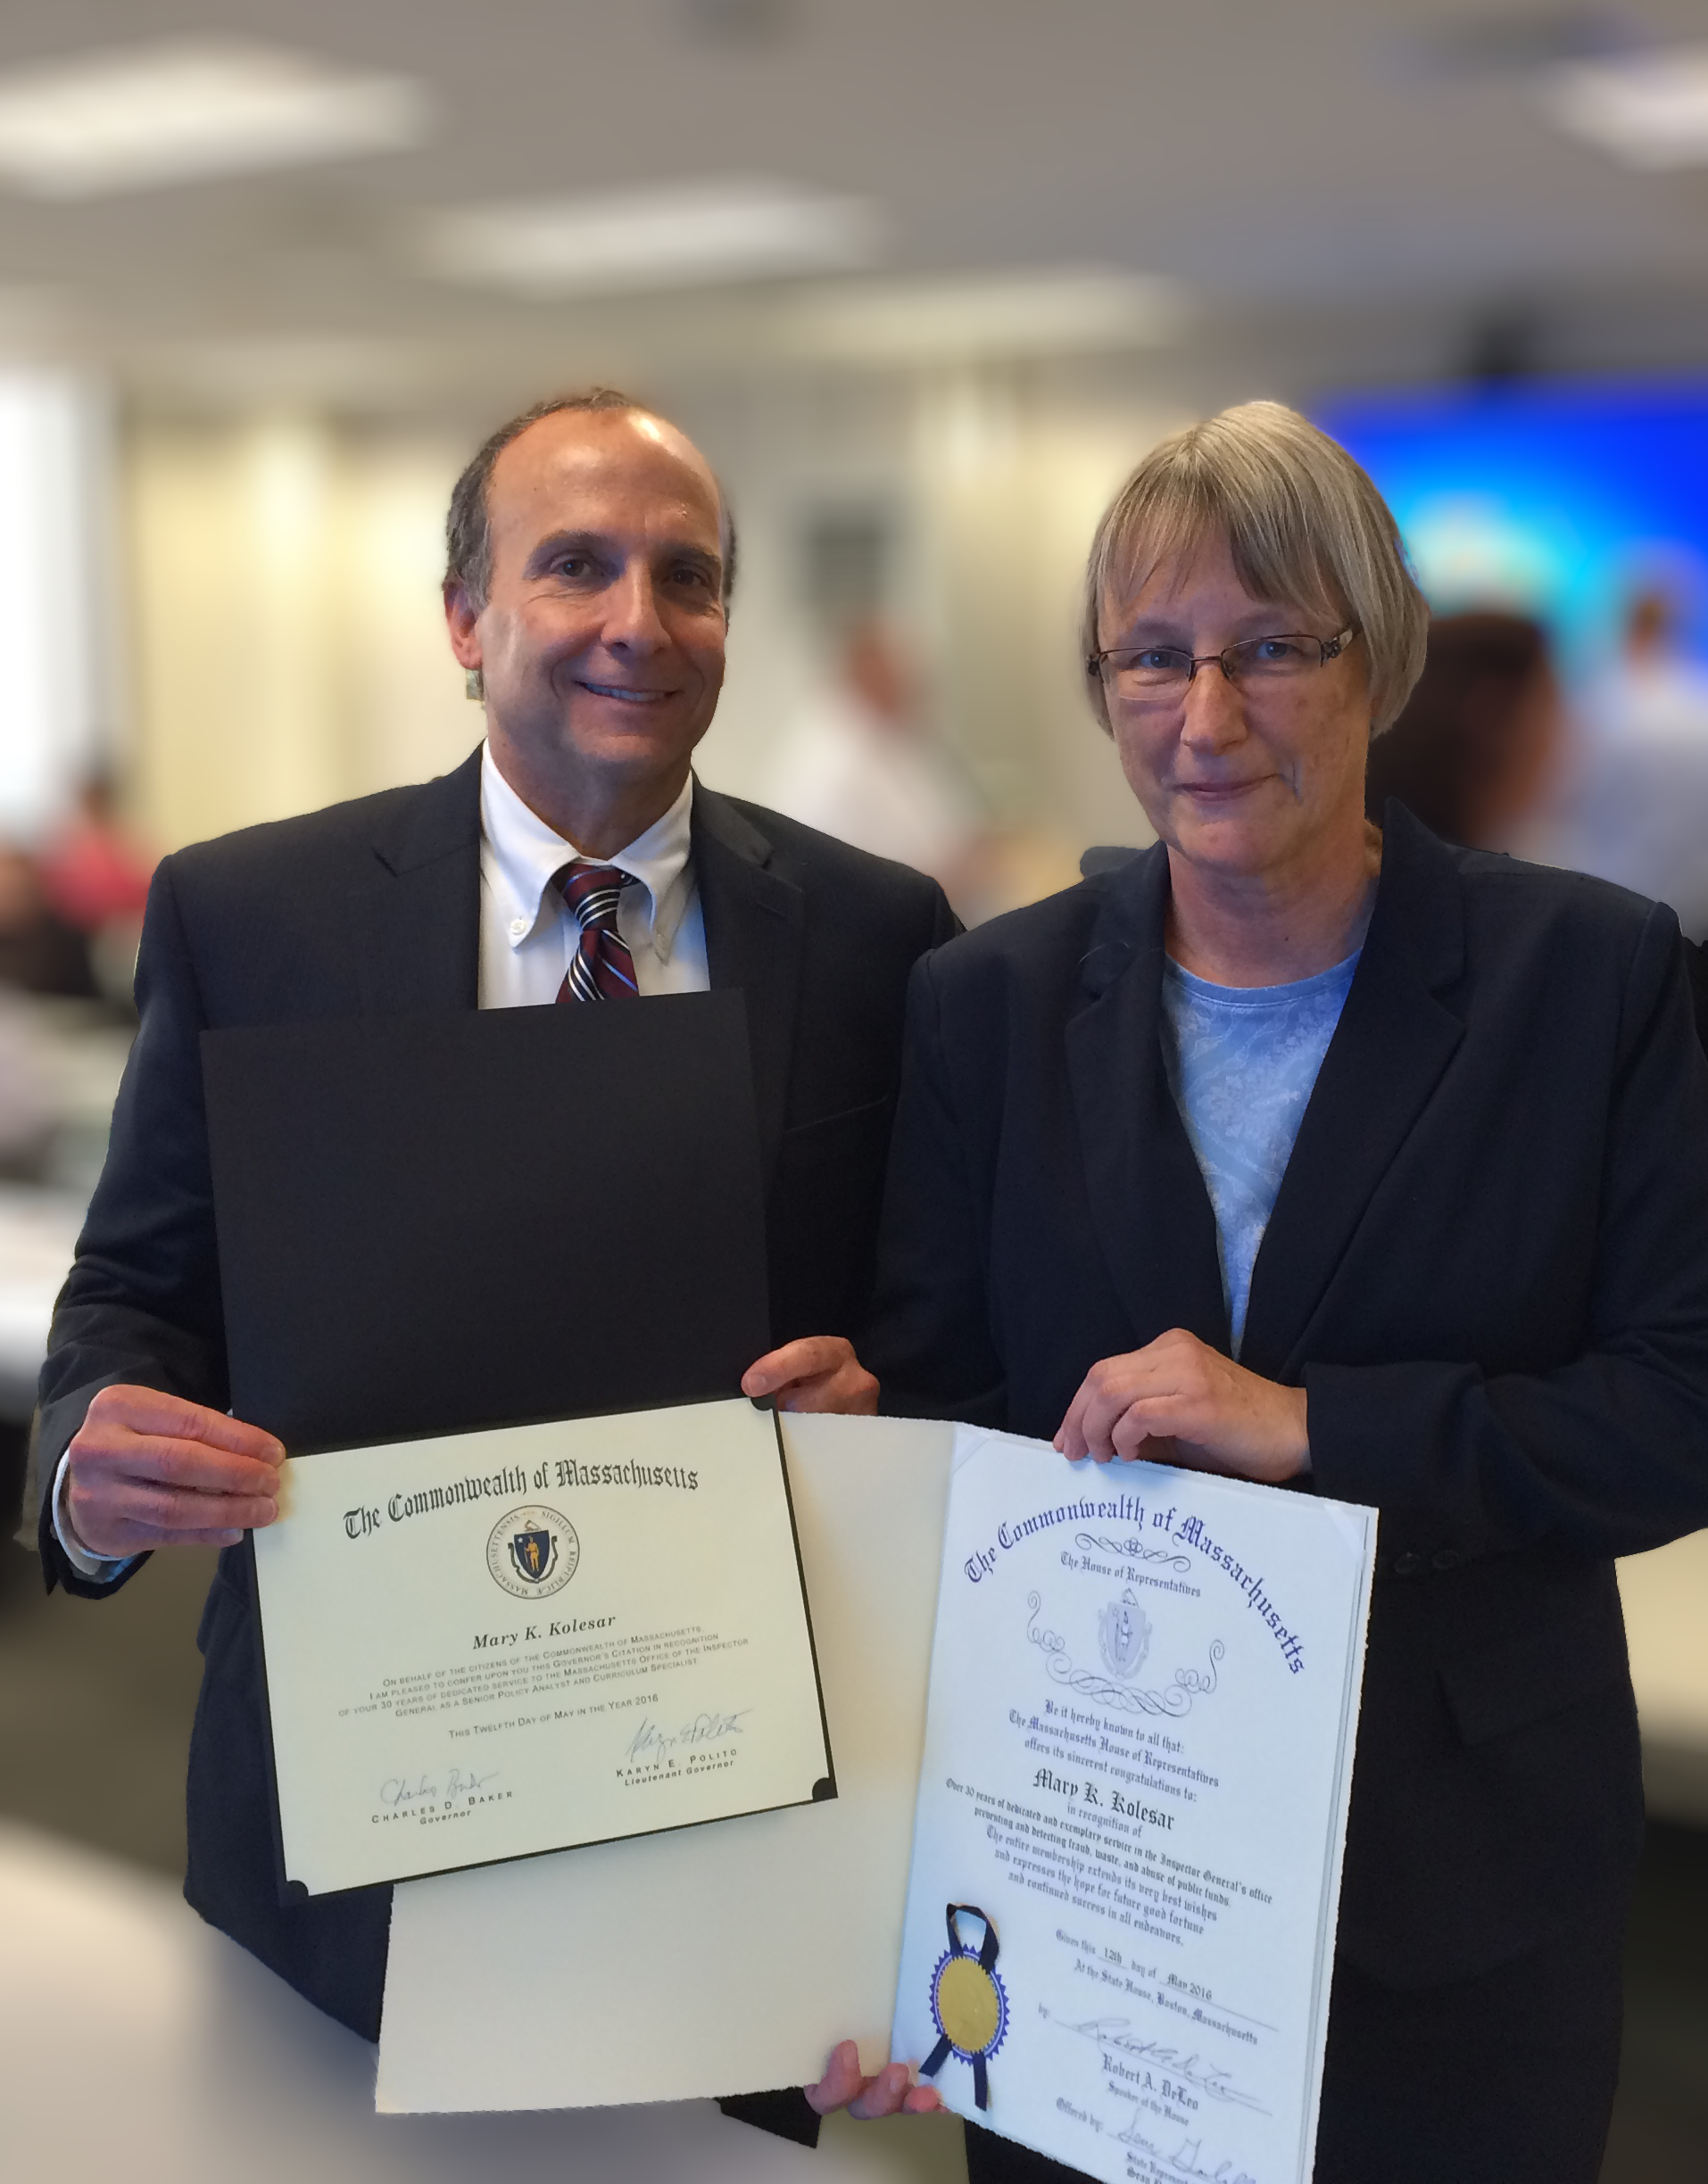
(1303, 522)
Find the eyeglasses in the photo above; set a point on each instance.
(1158, 670)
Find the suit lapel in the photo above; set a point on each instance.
(1149, 1208)
(416, 925)
(1394, 1040)
(755, 934)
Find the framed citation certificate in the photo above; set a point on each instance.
(483, 1646)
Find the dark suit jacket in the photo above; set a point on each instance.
(372, 908)
(1487, 1266)
(1695, 964)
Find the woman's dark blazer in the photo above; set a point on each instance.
(1488, 1267)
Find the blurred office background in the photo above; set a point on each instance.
(925, 281)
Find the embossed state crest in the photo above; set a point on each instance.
(1123, 1637)
(533, 1552)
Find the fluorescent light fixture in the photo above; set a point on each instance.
(683, 235)
(1059, 311)
(1649, 109)
(149, 115)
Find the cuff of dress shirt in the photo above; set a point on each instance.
(99, 1570)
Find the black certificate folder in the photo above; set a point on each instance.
(435, 1224)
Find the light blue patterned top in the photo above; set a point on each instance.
(1242, 1062)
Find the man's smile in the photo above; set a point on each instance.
(623, 694)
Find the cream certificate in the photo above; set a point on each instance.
(720, 1959)
(1121, 1909)
(486, 1645)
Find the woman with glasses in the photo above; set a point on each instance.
(1327, 1155)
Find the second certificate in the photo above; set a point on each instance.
(1126, 1856)
(492, 1644)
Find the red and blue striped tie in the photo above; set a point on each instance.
(603, 969)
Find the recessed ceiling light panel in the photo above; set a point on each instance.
(687, 234)
(111, 121)
(1057, 309)
(1649, 109)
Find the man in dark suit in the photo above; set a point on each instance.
(573, 858)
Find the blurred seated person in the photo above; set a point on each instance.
(29, 1106)
(1655, 689)
(857, 763)
(94, 879)
(39, 951)
(1634, 801)
(1474, 749)
(90, 871)
(1482, 755)
(29, 1112)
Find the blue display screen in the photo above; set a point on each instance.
(1563, 501)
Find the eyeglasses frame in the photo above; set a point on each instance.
(1328, 649)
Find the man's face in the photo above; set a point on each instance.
(601, 638)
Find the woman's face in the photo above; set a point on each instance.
(1244, 779)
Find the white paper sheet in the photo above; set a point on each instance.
(1132, 1808)
(722, 1958)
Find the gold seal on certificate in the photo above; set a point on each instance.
(486, 1645)
(969, 2005)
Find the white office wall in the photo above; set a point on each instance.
(408, 716)
(56, 716)
(289, 648)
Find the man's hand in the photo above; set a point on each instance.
(1179, 1401)
(819, 1372)
(890, 2093)
(152, 1470)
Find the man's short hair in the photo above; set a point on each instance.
(468, 524)
(1303, 522)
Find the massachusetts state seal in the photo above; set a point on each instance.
(533, 1552)
(1123, 1636)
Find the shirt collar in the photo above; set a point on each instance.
(520, 853)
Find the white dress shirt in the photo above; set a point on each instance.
(527, 941)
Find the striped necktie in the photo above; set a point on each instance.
(603, 969)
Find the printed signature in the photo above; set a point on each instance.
(398, 1791)
(1187, 2160)
(1116, 2035)
(651, 1742)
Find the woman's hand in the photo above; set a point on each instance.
(1179, 1401)
(819, 1372)
(890, 2092)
